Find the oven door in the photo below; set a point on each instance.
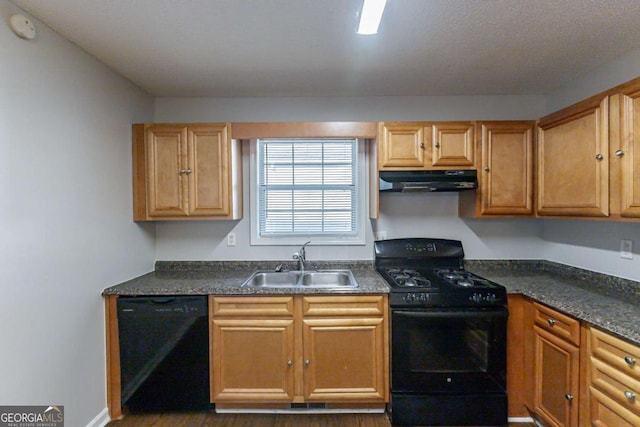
(440, 350)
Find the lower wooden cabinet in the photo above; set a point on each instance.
(552, 365)
(557, 379)
(613, 380)
(299, 349)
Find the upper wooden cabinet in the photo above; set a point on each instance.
(573, 160)
(452, 144)
(625, 151)
(426, 145)
(186, 172)
(505, 173)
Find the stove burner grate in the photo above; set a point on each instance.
(408, 278)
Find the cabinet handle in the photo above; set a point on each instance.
(631, 396)
(551, 322)
(437, 145)
(630, 360)
(307, 362)
(422, 145)
(486, 168)
(289, 363)
(599, 157)
(619, 153)
(183, 171)
(569, 397)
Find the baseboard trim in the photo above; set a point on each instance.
(520, 420)
(101, 420)
(300, 411)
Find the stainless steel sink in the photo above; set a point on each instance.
(325, 279)
(272, 279)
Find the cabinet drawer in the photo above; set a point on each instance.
(607, 412)
(622, 355)
(281, 306)
(559, 324)
(362, 305)
(622, 388)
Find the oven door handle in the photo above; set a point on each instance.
(453, 314)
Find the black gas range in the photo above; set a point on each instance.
(448, 336)
(430, 273)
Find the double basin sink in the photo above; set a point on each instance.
(315, 279)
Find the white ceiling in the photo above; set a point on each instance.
(263, 48)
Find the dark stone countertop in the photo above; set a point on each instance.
(225, 278)
(607, 302)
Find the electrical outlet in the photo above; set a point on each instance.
(231, 239)
(626, 249)
(380, 235)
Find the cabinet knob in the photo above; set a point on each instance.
(599, 157)
(289, 363)
(551, 322)
(569, 397)
(619, 153)
(486, 168)
(183, 171)
(437, 145)
(630, 360)
(422, 145)
(307, 362)
(631, 396)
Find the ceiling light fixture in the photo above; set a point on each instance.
(370, 16)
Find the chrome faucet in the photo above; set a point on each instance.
(301, 256)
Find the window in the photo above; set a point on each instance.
(307, 189)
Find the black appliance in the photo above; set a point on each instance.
(164, 353)
(448, 336)
(428, 180)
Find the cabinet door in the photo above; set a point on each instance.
(344, 359)
(208, 170)
(627, 153)
(573, 146)
(401, 145)
(166, 148)
(252, 360)
(557, 380)
(506, 180)
(453, 144)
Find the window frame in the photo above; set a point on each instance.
(362, 191)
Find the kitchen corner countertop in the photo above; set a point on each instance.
(226, 278)
(607, 302)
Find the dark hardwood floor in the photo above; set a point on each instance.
(211, 419)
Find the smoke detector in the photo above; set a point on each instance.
(22, 26)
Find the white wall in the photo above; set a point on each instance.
(594, 245)
(622, 69)
(401, 215)
(65, 217)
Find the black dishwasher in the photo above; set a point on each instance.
(164, 353)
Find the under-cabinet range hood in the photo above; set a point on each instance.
(429, 180)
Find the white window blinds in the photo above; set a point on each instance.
(307, 187)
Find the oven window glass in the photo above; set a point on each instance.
(451, 346)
